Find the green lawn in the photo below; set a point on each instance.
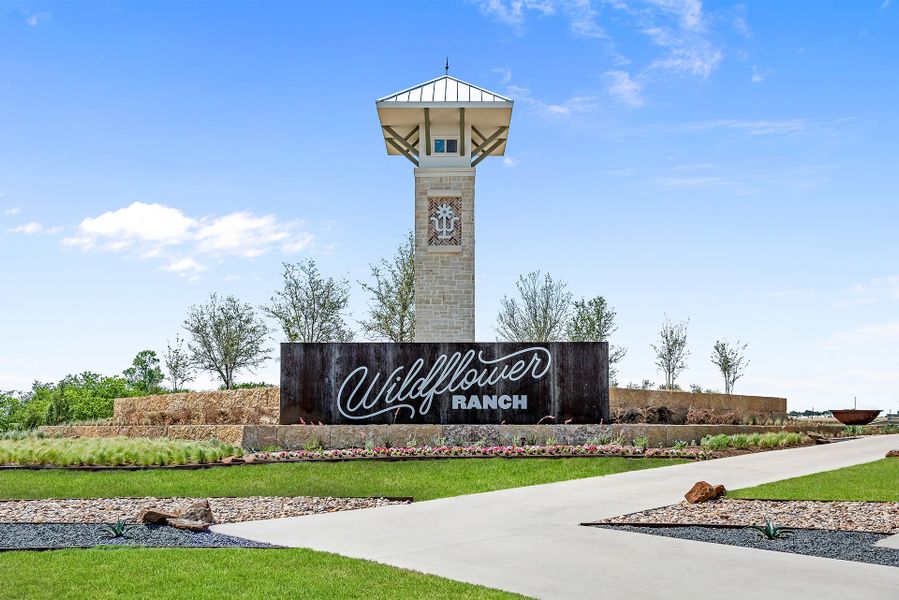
(151, 574)
(877, 482)
(420, 479)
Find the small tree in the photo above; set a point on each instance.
(144, 374)
(391, 307)
(593, 320)
(731, 361)
(310, 307)
(226, 336)
(540, 312)
(178, 364)
(672, 353)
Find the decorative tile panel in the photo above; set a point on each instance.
(445, 221)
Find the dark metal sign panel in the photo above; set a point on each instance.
(446, 383)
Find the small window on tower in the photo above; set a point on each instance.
(446, 146)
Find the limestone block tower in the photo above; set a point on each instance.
(445, 127)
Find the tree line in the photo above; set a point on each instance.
(224, 336)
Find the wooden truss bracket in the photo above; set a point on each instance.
(402, 143)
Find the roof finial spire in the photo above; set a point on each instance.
(446, 66)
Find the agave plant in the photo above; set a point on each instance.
(771, 530)
(118, 529)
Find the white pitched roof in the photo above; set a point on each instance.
(444, 89)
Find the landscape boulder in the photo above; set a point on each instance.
(196, 517)
(817, 437)
(155, 517)
(703, 491)
(893, 454)
(188, 524)
(198, 511)
(232, 460)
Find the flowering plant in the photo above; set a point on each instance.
(484, 451)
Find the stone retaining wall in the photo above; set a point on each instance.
(261, 406)
(719, 403)
(255, 406)
(255, 437)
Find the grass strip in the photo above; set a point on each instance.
(870, 482)
(197, 574)
(422, 480)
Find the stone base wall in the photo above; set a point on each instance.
(229, 434)
(719, 403)
(256, 437)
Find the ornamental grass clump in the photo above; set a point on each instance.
(116, 451)
(771, 439)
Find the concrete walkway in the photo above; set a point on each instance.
(527, 540)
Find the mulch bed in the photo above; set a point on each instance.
(843, 545)
(224, 510)
(871, 517)
(56, 536)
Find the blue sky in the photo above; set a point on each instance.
(730, 163)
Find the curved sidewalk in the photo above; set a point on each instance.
(528, 540)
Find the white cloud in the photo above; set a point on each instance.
(11, 212)
(159, 232)
(510, 162)
(584, 20)
(573, 106)
(758, 75)
(138, 223)
(625, 89)
(874, 291)
(505, 74)
(685, 52)
(678, 29)
(35, 227)
(752, 127)
(242, 234)
(186, 266)
(512, 13)
(298, 243)
(38, 18)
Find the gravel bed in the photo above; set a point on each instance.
(872, 517)
(19, 536)
(224, 510)
(843, 545)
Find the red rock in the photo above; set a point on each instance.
(250, 458)
(893, 454)
(232, 460)
(155, 517)
(703, 491)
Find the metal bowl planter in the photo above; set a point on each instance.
(854, 416)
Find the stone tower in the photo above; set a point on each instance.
(445, 127)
